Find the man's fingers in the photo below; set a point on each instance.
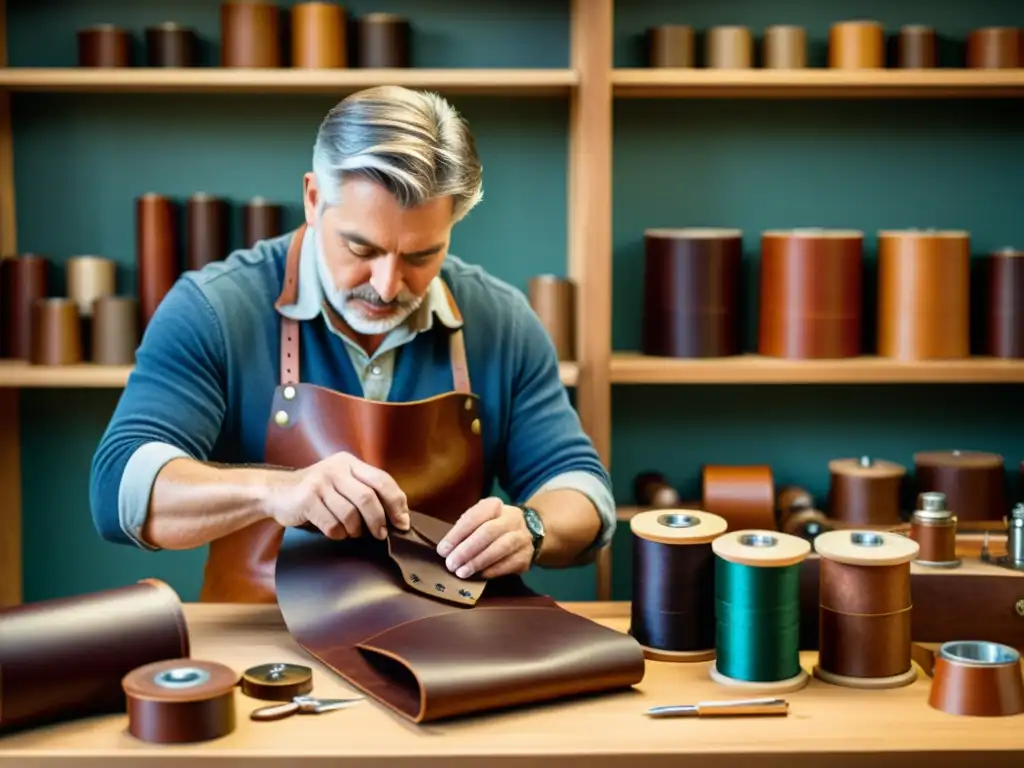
(365, 501)
(394, 502)
(344, 511)
(517, 562)
(474, 546)
(320, 516)
(503, 547)
(471, 519)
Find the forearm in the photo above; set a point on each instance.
(571, 524)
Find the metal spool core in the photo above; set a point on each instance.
(678, 520)
(862, 539)
(865, 461)
(979, 652)
(933, 501)
(182, 677)
(758, 540)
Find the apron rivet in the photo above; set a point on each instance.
(475, 426)
(281, 417)
(289, 393)
(469, 405)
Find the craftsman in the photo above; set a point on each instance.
(384, 321)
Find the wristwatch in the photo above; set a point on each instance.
(535, 526)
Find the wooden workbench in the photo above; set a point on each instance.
(827, 726)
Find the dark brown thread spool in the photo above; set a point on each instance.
(105, 46)
(157, 243)
(261, 220)
(115, 330)
(977, 678)
(651, 489)
(1005, 332)
(729, 48)
(933, 527)
(797, 515)
(918, 47)
(170, 45)
(972, 481)
(277, 682)
(319, 36)
(691, 292)
(553, 299)
(856, 45)
(865, 609)
(785, 47)
(671, 45)
(994, 48)
(58, 338)
(207, 230)
(865, 491)
(250, 35)
(384, 41)
(24, 280)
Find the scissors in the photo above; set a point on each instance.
(301, 705)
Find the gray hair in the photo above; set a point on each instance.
(413, 143)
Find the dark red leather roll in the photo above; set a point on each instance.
(261, 220)
(157, 243)
(250, 35)
(384, 41)
(58, 332)
(995, 48)
(207, 230)
(170, 45)
(1005, 337)
(104, 45)
(23, 281)
(918, 47)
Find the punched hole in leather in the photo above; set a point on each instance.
(415, 553)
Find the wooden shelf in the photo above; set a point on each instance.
(630, 368)
(507, 82)
(817, 83)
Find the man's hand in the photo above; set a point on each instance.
(490, 539)
(340, 495)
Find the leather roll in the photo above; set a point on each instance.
(89, 278)
(319, 36)
(1005, 331)
(671, 45)
(554, 300)
(994, 48)
(729, 48)
(170, 45)
(208, 222)
(924, 289)
(856, 45)
(250, 35)
(651, 489)
(23, 281)
(743, 495)
(105, 46)
(115, 330)
(917, 48)
(58, 337)
(691, 292)
(261, 220)
(157, 244)
(785, 47)
(977, 679)
(384, 41)
(865, 491)
(973, 482)
(811, 293)
(64, 659)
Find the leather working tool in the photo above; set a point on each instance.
(739, 707)
(301, 705)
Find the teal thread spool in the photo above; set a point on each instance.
(757, 610)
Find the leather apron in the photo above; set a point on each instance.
(432, 448)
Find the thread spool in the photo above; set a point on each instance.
(865, 491)
(865, 609)
(917, 48)
(319, 36)
(856, 45)
(811, 294)
(180, 701)
(1005, 319)
(652, 490)
(207, 229)
(924, 288)
(384, 41)
(90, 278)
(743, 495)
(553, 299)
(691, 292)
(977, 678)
(972, 481)
(671, 45)
(785, 47)
(58, 337)
(672, 609)
(115, 330)
(797, 515)
(170, 45)
(261, 220)
(277, 682)
(994, 48)
(933, 527)
(729, 47)
(104, 46)
(157, 245)
(757, 611)
(250, 35)
(23, 281)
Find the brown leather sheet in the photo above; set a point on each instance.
(395, 623)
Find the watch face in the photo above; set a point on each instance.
(533, 523)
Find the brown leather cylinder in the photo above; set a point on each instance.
(974, 482)
(653, 490)
(865, 491)
(89, 278)
(995, 48)
(917, 47)
(933, 527)
(924, 288)
(384, 41)
(261, 220)
(785, 47)
(58, 337)
(250, 35)
(64, 658)
(319, 36)
(115, 330)
(743, 495)
(23, 281)
(553, 298)
(1005, 316)
(276, 682)
(208, 230)
(856, 45)
(811, 294)
(977, 679)
(729, 47)
(157, 255)
(170, 45)
(691, 295)
(671, 45)
(104, 46)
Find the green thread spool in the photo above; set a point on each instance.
(757, 610)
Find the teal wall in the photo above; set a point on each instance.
(81, 159)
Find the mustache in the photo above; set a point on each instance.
(368, 294)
